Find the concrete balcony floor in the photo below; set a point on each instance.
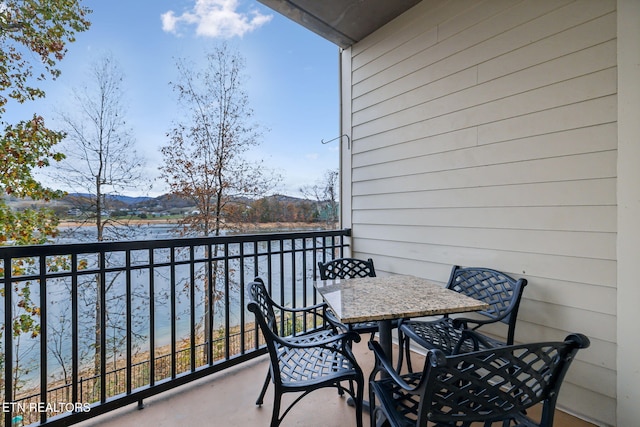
(228, 399)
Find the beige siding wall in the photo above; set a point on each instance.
(484, 133)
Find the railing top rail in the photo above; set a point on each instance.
(63, 249)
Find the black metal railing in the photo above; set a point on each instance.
(89, 328)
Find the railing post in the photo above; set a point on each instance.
(152, 319)
(129, 322)
(43, 335)
(173, 311)
(102, 296)
(74, 331)
(8, 338)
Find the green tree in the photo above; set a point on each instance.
(33, 37)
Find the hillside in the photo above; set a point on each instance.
(268, 209)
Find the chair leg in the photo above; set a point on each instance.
(372, 408)
(358, 402)
(404, 351)
(407, 353)
(264, 389)
(400, 353)
(275, 419)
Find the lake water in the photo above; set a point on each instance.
(59, 314)
(163, 319)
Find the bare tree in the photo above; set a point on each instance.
(101, 160)
(326, 193)
(100, 149)
(205, 160)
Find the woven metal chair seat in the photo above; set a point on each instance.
(301, 367)
(497, 384)
(501, 292)
(446, 335)
(441, 334)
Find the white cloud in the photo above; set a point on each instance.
(169, 22)
(216, 18)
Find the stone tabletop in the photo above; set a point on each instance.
(392, 297)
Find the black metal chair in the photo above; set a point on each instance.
(503, 294)
(346, 268)
(308, 361)
(486, 386)
(349, 268)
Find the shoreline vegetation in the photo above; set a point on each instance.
(59, 390)
(117, 380)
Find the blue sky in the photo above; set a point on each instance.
(292, 76)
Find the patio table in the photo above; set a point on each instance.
(386, 298)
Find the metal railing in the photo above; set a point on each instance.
(89, 328)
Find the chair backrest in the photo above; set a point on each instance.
(261, 305)
(495, 384)
(502, 292)
(346, 268)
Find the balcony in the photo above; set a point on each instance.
(178, 341)
(100, 326)
(230, 398)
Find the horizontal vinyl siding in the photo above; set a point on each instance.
(484, 133)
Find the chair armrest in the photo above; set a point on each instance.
(476, 338)
(463, 322)
(382, 363)
(322, 305)
(331, 318)
(313, 309)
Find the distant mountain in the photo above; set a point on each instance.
(127, 200)
(172, 204)
(132, 200)
(164, 202)
(287, 199)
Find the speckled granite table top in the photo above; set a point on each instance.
(391, 297)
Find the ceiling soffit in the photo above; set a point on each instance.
(343, 22)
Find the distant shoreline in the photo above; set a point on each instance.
(133, 221)
(171, 221)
